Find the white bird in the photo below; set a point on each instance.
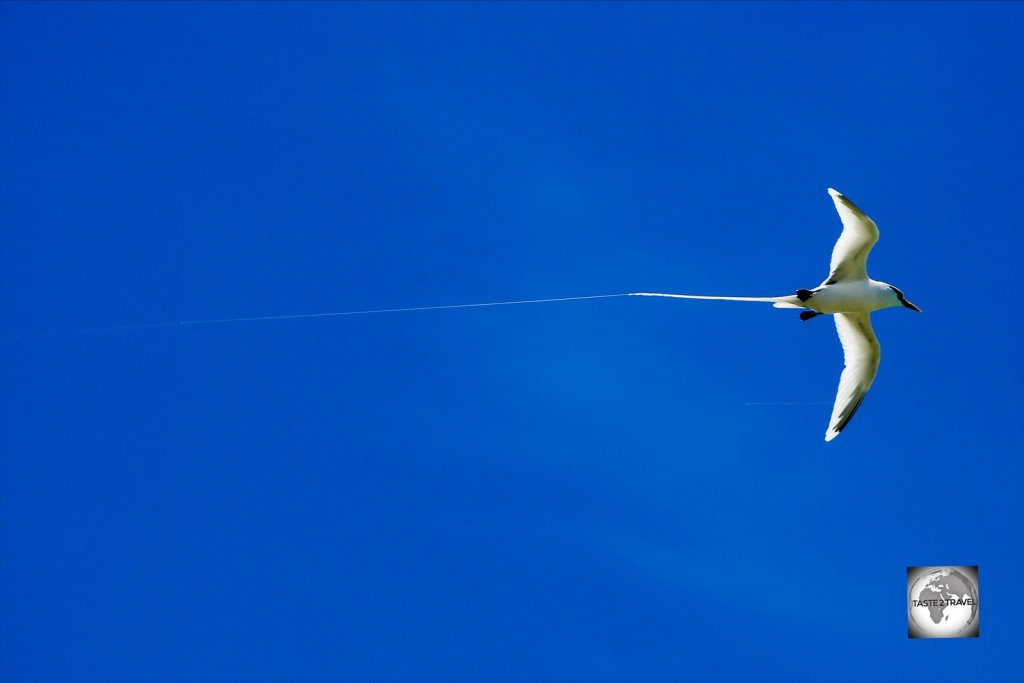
(850, 295)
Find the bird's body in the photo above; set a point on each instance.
(850, 296)
(859, 296)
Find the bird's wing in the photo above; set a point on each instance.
(850, 255)
(861, 354)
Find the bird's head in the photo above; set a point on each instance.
(901, 300)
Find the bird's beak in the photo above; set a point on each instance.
(911, 306)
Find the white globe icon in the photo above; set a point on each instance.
(943, 603)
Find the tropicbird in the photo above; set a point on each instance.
(850, 296)
(848, 293)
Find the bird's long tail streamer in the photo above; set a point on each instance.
(215, 321)
(765, 299)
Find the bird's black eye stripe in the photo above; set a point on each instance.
(899, 294)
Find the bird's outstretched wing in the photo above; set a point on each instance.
(850, 255)
(861, 354)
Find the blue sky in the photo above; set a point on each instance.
(567, 492)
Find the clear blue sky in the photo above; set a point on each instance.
(566, 492)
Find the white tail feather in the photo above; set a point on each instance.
(790, 301)
(779, 301)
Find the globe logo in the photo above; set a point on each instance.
(942, 602)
